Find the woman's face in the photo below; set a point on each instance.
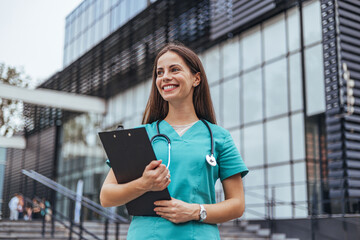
(174, 80)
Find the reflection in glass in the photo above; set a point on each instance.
(251, 48)
(296, 95)
(256, 212)
(231, 57)
(212, 64)
(277, 140)
(314, 77)
(254, 197)
(274, 37)
(278, 175)
(300, 193)
(255, 179)
(276, 94)
(252, 96)
(231, 101)
(215, 96)
(298, 136)
(312, 22)
(254, 145)
(293, 29)
(300, 172)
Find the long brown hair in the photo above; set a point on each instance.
(157, 108)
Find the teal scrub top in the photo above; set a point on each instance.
(192, 178)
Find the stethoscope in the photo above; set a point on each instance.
(209, 158)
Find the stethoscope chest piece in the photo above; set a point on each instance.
(211, 160)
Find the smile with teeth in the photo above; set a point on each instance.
(169, 87)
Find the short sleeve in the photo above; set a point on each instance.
(230, 160)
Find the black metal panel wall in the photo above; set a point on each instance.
(349, 27)
(39, 156)
(341, 25)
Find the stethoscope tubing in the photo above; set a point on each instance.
(169, 142)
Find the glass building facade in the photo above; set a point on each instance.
(267, 86)
(276, 80)
(93, 20)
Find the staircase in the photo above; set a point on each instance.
(31, 230)
(246, 231)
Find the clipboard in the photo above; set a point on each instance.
(129, 152)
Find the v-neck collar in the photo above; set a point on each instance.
(172, 132)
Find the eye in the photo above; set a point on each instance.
(175, 69)
(160, 72)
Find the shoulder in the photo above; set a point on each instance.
(218, 131)
(149, 127)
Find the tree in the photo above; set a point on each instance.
(11, 110)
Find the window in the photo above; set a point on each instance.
(231, 102)
(212, 64)
(277, 140)
(314, 76)
(251, 48)
(312, 22)
(254, 145)
(276, 91)
(298, 136)
(296, 94)
(274, 38)
(252, 96)
(231, 57)
(293, 29)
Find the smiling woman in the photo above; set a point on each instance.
(180, 108)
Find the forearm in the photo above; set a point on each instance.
(219, 212)
(224, 211)
(113, 194)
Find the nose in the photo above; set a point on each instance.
(166, 76)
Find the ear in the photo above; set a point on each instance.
(197, 79)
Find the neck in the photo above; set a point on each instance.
(181, 114)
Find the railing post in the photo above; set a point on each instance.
(117, 230)
(81, 222)
(106, 229)
(43, 226)
(53, 213)
(52, 207)
(272, 206)
(71, 217)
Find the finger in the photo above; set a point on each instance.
(162, 174)
(153, 164)
(163, 203)
(162, 210)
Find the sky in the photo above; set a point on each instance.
(32, 35)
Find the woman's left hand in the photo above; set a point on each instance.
(177, 211)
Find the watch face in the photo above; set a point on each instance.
(203, 214)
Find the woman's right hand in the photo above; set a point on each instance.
(156, 176)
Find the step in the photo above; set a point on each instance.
(263, 232)
(252, 227)
(278, 236)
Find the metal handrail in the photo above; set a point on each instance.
(271, 202)
(77, 225)
(72, 195)
(86, 202)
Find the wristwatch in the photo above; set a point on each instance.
(203, 213)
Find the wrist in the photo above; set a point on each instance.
(196, 212)
(141, 185)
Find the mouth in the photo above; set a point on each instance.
(168, 88)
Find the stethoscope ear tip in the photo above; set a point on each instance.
(211, 160)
